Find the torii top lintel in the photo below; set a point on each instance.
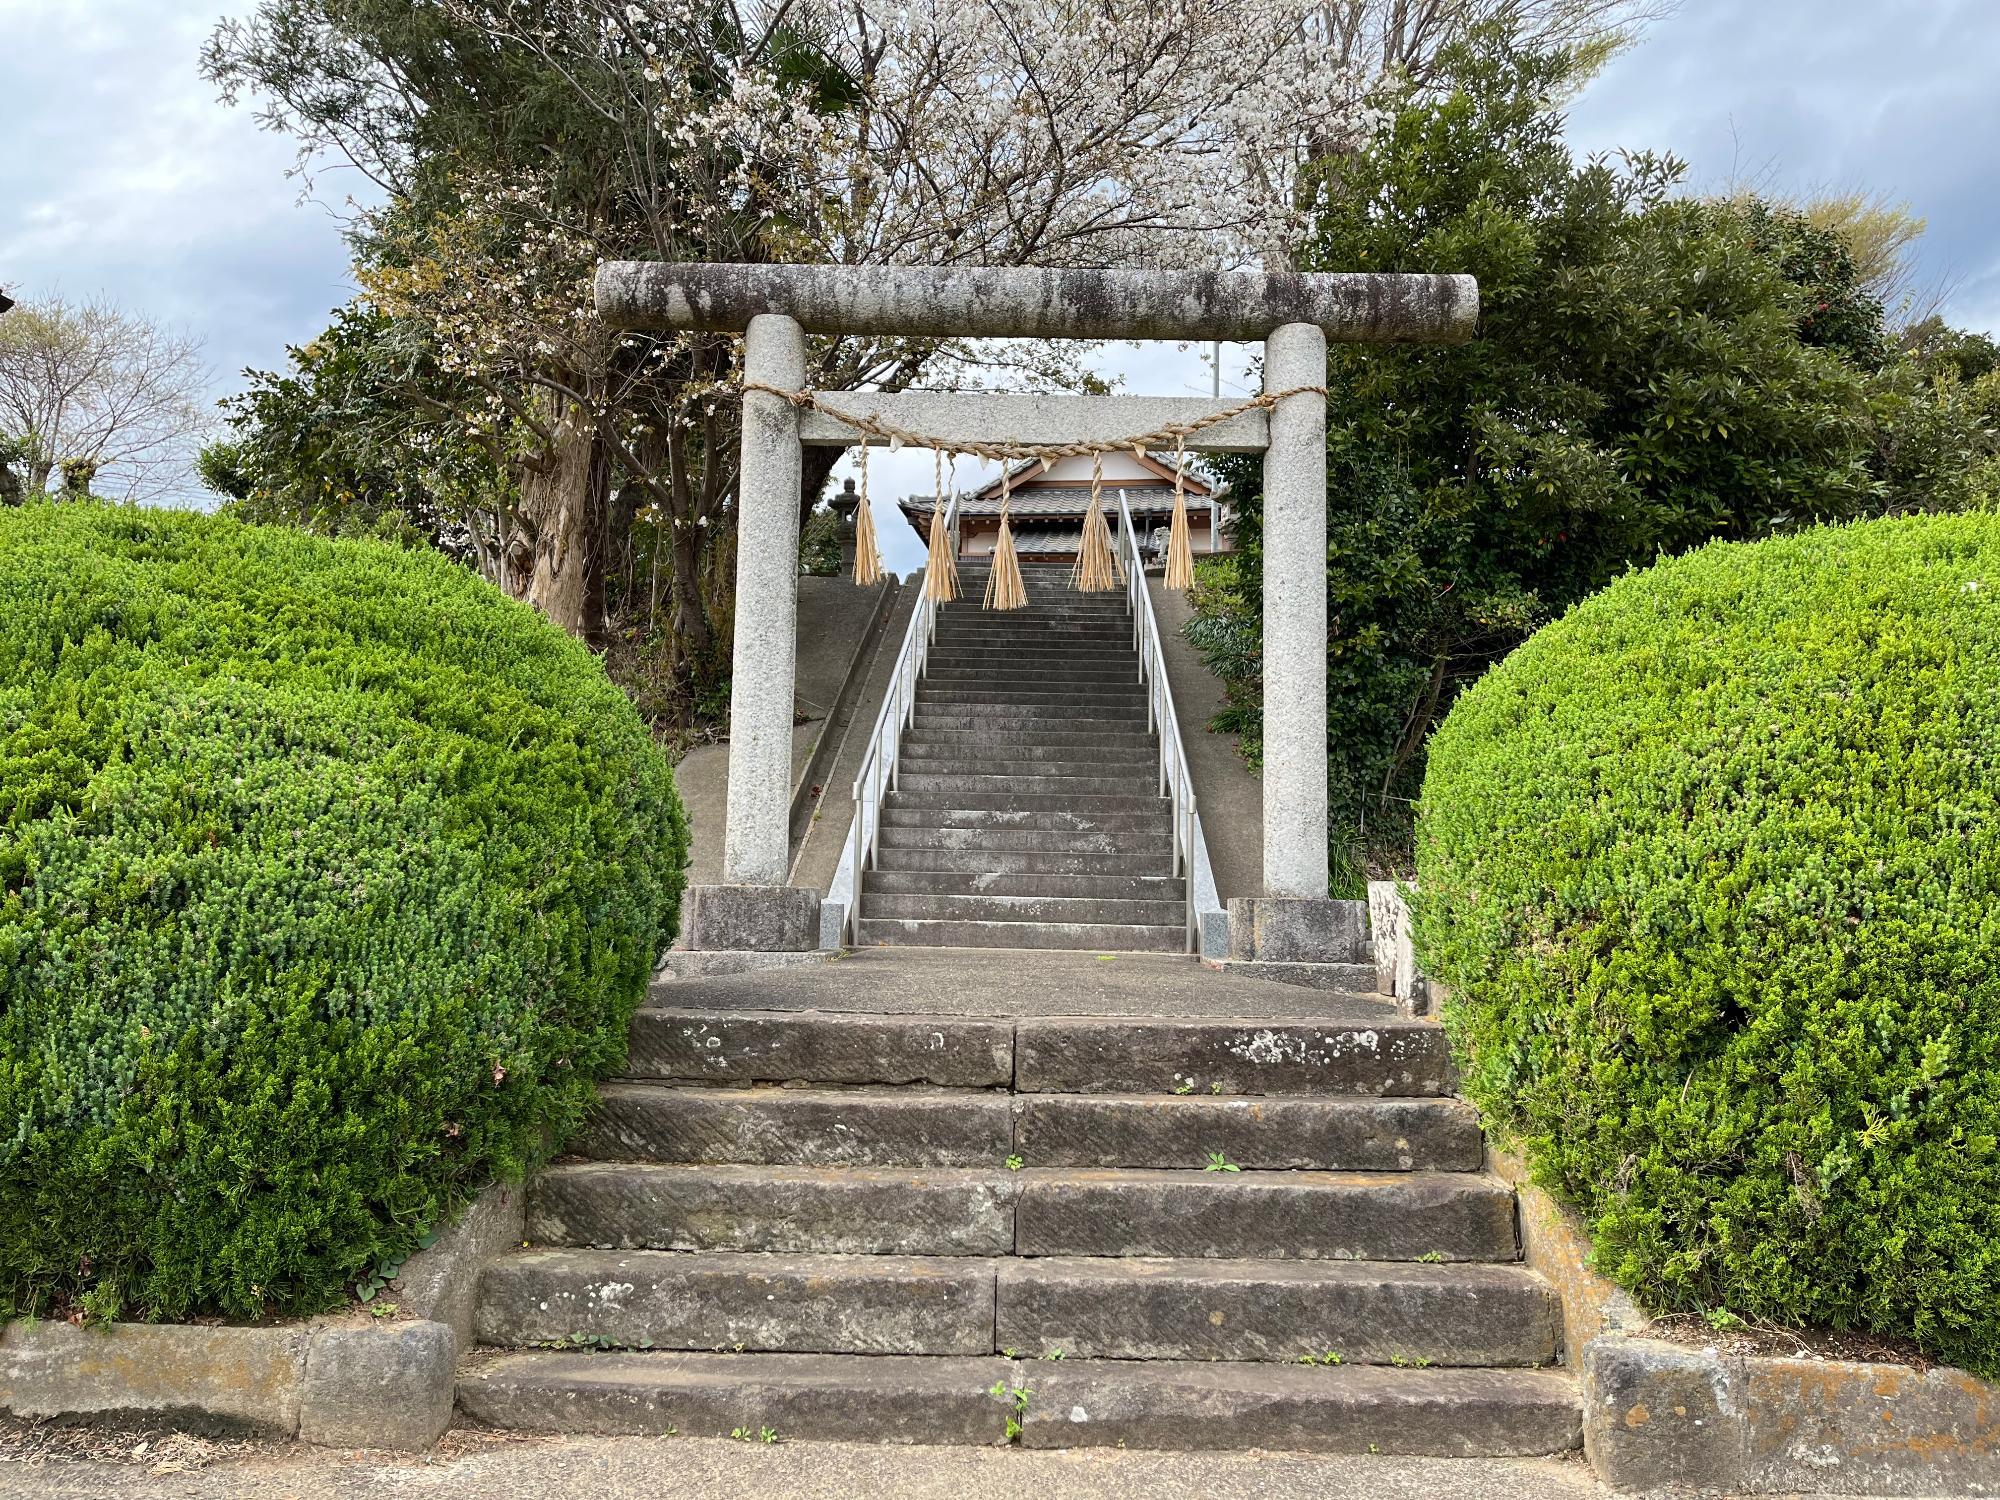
(922, 302)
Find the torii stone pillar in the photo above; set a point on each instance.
(775, 306)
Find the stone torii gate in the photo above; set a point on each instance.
(775, 307)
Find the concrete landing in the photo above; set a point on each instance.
(1018, 982)
(495, 1466)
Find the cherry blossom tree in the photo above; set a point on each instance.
(524, 142)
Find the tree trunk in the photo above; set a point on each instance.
(559, 567)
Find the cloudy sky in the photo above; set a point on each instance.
(121, 174)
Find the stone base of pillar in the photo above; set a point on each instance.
(1298, 930)
(750, 918)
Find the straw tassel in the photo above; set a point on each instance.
(1004, 589)
(867, 554)
(1096, 564)
(1180, 551)
(941, 571)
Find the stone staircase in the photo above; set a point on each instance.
(1028, 812)
(879, 1220)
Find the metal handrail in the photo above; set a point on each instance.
(1189, 848)
(879, 762)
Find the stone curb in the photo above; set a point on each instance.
(337, 1381)
(1669, 1416)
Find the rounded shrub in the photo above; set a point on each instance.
(329, 880)
(1711, 867)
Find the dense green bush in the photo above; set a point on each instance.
(1712, 869)
(328, 881)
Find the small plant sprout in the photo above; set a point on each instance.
(1016, 1398)
(383, 1309)
(765, 1435)
(1431, 1257)
(1015, 1163)
(1215, 1087)
(1218, 1162)
(1183, 1085)
(1053, 1354)
(1722, 1320)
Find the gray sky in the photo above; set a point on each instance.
(120, 173)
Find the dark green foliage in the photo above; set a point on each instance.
(357, 437)
(1711, 867)
(328, 881)
(1650, 371)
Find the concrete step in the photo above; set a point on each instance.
(796, 1210)
(746, 1047)
(1158, 820)
(1157, 846)
(1352, 1312)
(945, 673)
(861, 1127)
(1310, 1134)
(1100, 937)
(1074, 1403)
(1013, 722)
(1117, 655)
(1455, 1216)
(799, 1127)
(849, 1304)
(1062, 1055)
(1000, 801)
(1050, 695)
(959, 763)
(1102, 887)
(1134, 750)
(1072, 910)
(961, 784)
(1017, 862)
(1131, 744)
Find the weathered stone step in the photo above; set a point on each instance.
(849, 1304)
(1100, 937)
(1455, 1216)
(857, 1127)
(1088, 910)
(999, 801)
(791, 1210)
(1354, 1312)
(1154, 820)
(1074, 1403)
(1110, 887)
(744, 1047)
(1348, 1409)
(1167, 1129)
(1062, 1055)
(958, 1211)
(804, 1127)
(1027, 758)
(1018, 862)
(960, 783)
(1156, 845)
(799, 1397)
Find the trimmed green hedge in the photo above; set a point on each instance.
(329, 879)
(1712, 869)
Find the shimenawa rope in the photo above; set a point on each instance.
(1005, 582)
